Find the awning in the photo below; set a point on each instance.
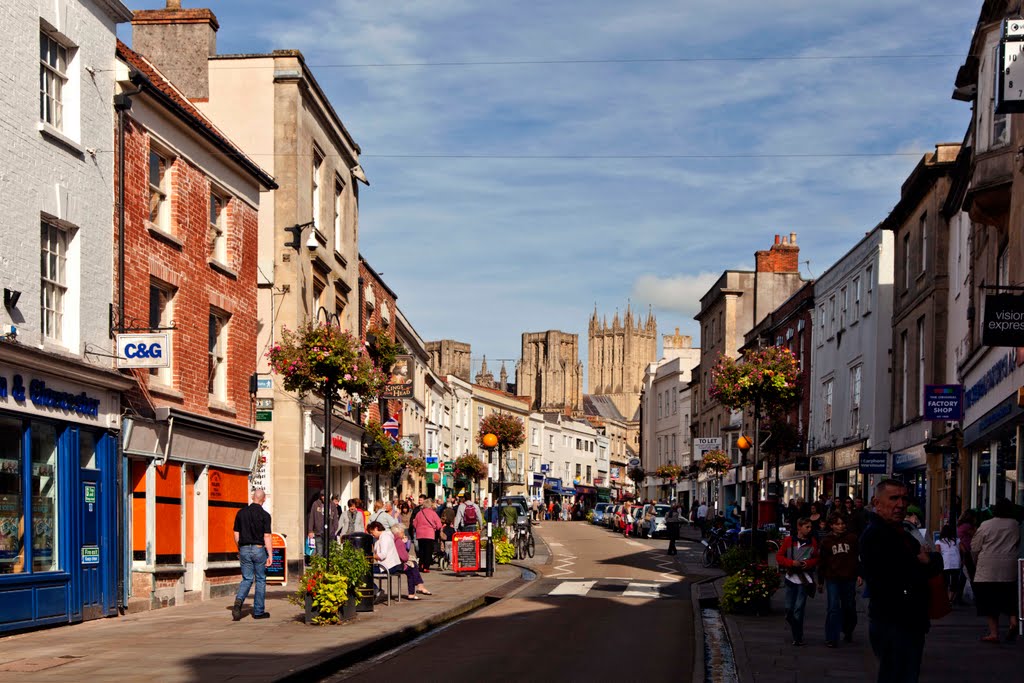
(187, 437)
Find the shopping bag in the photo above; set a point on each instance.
(938, 597)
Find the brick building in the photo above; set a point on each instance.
(191, 200)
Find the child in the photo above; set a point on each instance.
(797, 557)
(838, 573)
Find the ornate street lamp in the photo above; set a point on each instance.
(329, 389)
(490, 441)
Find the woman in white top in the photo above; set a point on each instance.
(995, 548)
(949, 547)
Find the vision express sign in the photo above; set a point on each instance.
(1003, 324)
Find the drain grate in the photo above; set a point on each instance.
(719, 660)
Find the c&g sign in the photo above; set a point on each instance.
(149, 350)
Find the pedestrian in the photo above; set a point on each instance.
(818, 521)
(315, 526)
(995, 549)
(385, 553)
(427, 527)
(896, 568)
(732, 517)
(409, 568)
(838, 574)
(949, 548)
(255, 554)
(702, 518)
(627, 519)
(352, 520)
(381, 515)
(858, 519)
(966, 527)
(798, 557)
(404, 514)
(673, 520)
(468, 514)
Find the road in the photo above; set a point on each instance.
(605, 608)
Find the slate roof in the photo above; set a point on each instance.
(601, 406)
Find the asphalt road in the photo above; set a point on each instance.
(605, 609)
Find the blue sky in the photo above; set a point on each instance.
(635, 180)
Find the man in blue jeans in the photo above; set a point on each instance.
(252, 535)
(838, 575)
(798, 557)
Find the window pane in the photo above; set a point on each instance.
(12, 552)
(44, 497)
(154, 169)
(87, 450)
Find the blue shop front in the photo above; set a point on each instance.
(59, 551)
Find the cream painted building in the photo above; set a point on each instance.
(485, 402)
(272, 106)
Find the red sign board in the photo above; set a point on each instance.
(466, 551)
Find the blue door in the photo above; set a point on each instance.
(89, 556)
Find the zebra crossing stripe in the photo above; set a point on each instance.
(579, 588)
(641, 590)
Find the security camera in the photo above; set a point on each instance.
(311, 243)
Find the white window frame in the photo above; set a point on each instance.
(160, 191)
(856, 300)
(217, 345)
(318, 167)
(856, 377)
(906, 262)
(827, 396)
(164, 319)
(55, 241)
(55, 57)
(339, 216)
(923, 225)
(905, 358)
(921, 351)
(218, 236)
(870, 284)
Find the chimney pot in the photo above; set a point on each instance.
(173, 4)
(792, 238)
(776, 239)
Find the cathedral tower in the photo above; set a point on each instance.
(550, 371)
(618, 355)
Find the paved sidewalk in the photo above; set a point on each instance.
(764, 653)
(200, 641)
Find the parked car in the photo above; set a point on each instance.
(656, 525)
(599, 511)
(519, 502)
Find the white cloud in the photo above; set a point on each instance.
(676, 294)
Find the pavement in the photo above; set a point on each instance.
(764, 654)
(199, 641)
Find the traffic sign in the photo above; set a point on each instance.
(264, 415)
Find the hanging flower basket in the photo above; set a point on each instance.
(320, 359)
(770, 375)
(415, 464)
(469, 467)
(390, 457)
(668, 472)
(715, 462)
(637, 474)
(508, 428)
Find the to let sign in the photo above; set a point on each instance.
(943, 402)
(1003, 322)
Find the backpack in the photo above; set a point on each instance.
(469, 517)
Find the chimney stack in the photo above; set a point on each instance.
(783, 257)
(178, 42)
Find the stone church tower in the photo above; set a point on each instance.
(550, 371)
(618, 355)
(449, 357)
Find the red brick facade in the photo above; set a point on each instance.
(179, 261)
(783, 257)
(375, 295)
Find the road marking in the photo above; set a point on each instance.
(642, 590)
(636, 545)
(563, 566)
(579, 588)
(555, 545)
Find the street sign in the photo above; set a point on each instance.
(264, 383)
(944, 402)
(264, 415)
(874, 462)
(449, 468)
(264, 404)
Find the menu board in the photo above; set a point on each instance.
(277, 572)
(466, 553)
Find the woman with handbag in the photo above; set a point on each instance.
(995, 548)
(798, 557)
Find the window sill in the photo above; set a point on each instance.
(161, 234)
(222, 269)
(55, 135)
(340, 259)
(222, 407)
(161, 389)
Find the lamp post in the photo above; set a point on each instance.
(745, 444)
(490, 441)
(329, 389)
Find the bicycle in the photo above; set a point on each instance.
(715, 546)
(440, 557)
(522, 540)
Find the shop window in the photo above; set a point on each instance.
(168, 515)
(228, 493)
(138, 532)
(12, 522)
(44, 497)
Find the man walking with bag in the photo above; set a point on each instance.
(797, 558)
(252, 535)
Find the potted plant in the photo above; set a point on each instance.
(327, 589)
(469, 467)
(390, 457)
(750, 590)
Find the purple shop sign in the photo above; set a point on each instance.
(944, 402)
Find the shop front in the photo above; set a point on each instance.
(188, 475)
(346, 450)
(59, 421)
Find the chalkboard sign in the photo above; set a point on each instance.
(466, 555)
(277, 572)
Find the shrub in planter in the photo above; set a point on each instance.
(330, 582)
(737, 559)
(504, 551)
(749, 590)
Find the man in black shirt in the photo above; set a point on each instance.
(252, 535)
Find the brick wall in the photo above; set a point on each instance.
(372, 320)
(782, 257)
(182, 262)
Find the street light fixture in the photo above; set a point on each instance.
(490, 441)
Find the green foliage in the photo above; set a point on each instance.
(383, 349)
(330, 581)
(469, 466)
(716, 462)
(735, 559)
(750, 589)
(320, 359)
(590, 516)
(508, 428)
(668, 471)
(391, 458)
(504, 551)
(771, 375)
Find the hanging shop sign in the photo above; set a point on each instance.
(1003, 321)
(433, 463)
(944, 402)
(400, 382)
(874, 462)
(149, 350)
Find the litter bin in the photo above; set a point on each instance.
(756, 540)
(364, 542)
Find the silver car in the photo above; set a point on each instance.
(656, 525)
